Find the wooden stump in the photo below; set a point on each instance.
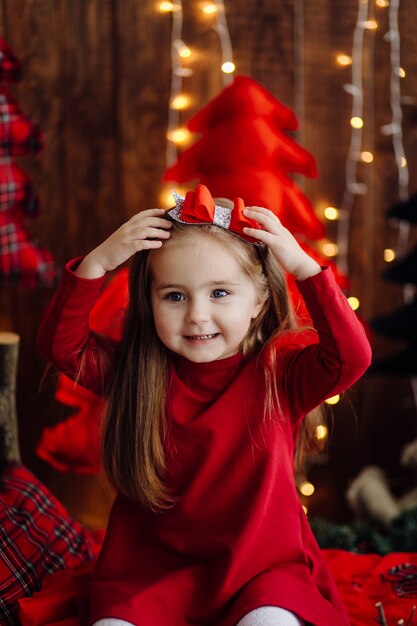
(9, 443)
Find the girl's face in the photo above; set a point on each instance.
(202, 301)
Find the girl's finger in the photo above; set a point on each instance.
(263, 211)
(261, 235)
(152, 233)
(268, 220)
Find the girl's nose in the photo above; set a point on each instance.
(197, 312)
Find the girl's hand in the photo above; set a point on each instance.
(282, 243)
(144, 231)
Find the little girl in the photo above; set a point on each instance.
(206, 393)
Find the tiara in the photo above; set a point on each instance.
(198, 207)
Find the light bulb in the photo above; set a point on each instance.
(209, 8)
(184, 52)
(370, 24)
(179, 135)
(367, 157)
(403, 161)
(165, 7)
(333, 399)
(228, 67)
(382, 3)
(180, 102)
(356, 122)
(306, 488)
(354, 302)
(344, 59)
(330, 249)
(331, 213)
(401, 72)
(321, 432)
(389, 255)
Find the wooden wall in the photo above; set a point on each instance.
(98, 83)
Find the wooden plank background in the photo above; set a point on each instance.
(97, 82)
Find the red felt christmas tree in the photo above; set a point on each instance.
(21, 258)
(244, 151)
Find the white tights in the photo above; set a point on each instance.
(264, 616)
(270, 616)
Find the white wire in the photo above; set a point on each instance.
(176, 80)
(299, 78)
(352, 185)
(225, 41)
(398, 145)
(396, 126)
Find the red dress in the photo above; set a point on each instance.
(237, 538)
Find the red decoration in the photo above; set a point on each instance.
(10, 68)
(198, 206)
(74, 444)
(21, 258)
(244, 152)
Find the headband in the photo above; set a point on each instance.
(198, 207)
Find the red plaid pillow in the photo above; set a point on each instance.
(37, 538)
(17, 191)
(10, 68)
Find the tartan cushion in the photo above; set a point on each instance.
(10, 68)
(17, 191)
(37, 538)
(18, 135)
(21, 258)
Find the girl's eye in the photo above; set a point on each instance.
(174, 296)
(220, 293)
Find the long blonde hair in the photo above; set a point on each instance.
(135, 429)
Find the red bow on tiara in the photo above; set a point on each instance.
(198, 207)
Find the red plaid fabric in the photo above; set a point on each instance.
(18, 136)
(21, 258)
(17, 192)
(10, 68)
(37, 538)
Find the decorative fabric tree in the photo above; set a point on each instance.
(21, 258)
(244, 151)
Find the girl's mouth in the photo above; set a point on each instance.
(201, 337)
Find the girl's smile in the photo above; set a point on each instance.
(202, 301)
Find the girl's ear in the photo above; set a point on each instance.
(258, 306)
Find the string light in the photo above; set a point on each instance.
(321, 432)
(333, 399)
(228, 67)
(398, 145)
(401, 72)
(389, 255)
(331, 213)
(179, 135)
(209, 9)
(305, 510)
(344, 59)
(352, 186)
(367, 157)
(166, 7)
(356, 122)
(382, 3)
(180, 102)
(354, 302)
(306, 488)
(370, 24)
(330, 249)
